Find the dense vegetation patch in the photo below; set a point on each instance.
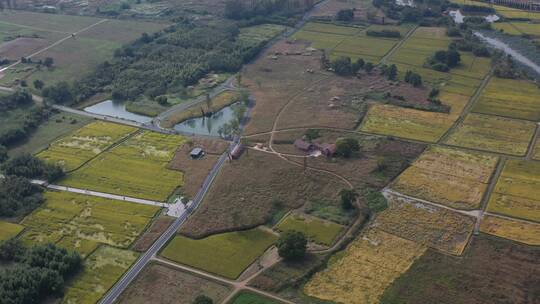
(18, 196)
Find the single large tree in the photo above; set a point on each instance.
(292, 245)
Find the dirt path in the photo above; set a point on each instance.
(532, 144)
(487, 194)
(236, 285)
(398, 45)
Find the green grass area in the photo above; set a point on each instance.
(75, 149)
(347, 40)
(58, 125)
(226, 254)
(80, 221)
(246, 297)
(260, 33)
(9, 230)
(78, 55)
(137, 167)
(510, 98)
(317, 230)
(493, 133)
(101, 271)
(14, 119)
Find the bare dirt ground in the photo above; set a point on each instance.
(329, 9)
(152, 234)
(249, 191)
(158, 283)
(14, 49)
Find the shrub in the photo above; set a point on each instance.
(345, 15)
(346, 147)
(384, 33)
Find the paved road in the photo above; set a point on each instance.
(130, 275)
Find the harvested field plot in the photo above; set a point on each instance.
(48, 22)
(72, 151)
(432, 226)
(447, 176)
(517, 192)
(317, 230)
(519, 28)
(492, 271)
(101, 271)
(153, 233)
(516, 230)
(406, 123)
(329, 9)
(246, 297)
(536, 151)
(9, 230)
(81, 218)
(248, 192)
(493, 133)
(510, 98)
(137, 167)
(162, 284)
(226, 254)
(365, 269)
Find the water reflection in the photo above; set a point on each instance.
(208, 125)
(116, 109)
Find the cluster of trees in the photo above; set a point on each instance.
(18, 196)
(347, 198)
(347, 147)
(390, 71)
(413, 78)
(29, 166)
(345, 67)
(38, 272)
(426, 12)
(292, 245)
(384, 33)
(443, 61)
(162, 63)
(505, 67)
(244, 9)
(32, 117)
(345, 15)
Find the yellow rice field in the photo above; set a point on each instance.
(365, 269)
(516, 230)
(447, 176)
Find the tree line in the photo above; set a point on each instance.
(242, 9)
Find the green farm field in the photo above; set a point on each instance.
(507, 12)
(260, 33)
(517, 191)
(246, 297)
(136, 167)
(9, 230)
(348, 41)
(518, 28)
(95, 41)
(510, 98)
(101, 271)
(80, 222)
(226, 254)
(317, 230)
(493, 133)
(75, 149)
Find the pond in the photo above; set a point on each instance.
(116, 109)
(208, 125)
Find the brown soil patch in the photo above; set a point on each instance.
(14, 49)
(274, 82)
(196, 170)
(152, 234)
(247, 193)
(158, 283)
(492, 271)
(361, 7)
